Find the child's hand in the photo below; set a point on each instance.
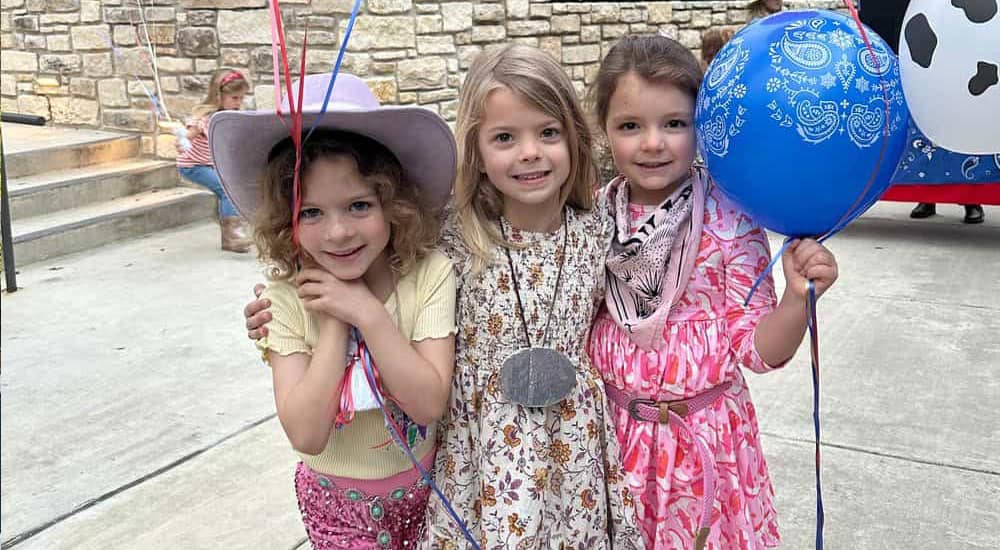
(348, 301)
(807, 260)
(256, 315)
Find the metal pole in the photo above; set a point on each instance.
(10, 275)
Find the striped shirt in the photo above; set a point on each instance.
(198, 154)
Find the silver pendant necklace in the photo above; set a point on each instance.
(537, 376)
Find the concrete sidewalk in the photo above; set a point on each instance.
(135, 414)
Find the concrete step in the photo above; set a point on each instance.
(52, 191)
(46, 236)
(86, 149)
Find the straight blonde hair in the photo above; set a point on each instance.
(539, 80)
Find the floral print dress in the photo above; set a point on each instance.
(530, 478)
(709, 334)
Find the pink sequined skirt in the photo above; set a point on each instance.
(362, 514)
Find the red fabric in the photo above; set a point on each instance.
(199, 153)
(975, 193)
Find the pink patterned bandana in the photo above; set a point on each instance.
(649, 267)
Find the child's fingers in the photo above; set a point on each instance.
(258, 289)
(255, 307)
(822, 257)
(824, 274)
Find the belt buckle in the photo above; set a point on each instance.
(633, 407)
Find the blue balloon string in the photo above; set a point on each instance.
(814, 353)
(763, 275)
(366, 360)
(336, 67)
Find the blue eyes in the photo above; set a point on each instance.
(546, 134)
(309, 213)
(356, 207)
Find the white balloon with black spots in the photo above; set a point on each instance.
(949, 57)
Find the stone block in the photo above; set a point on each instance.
(8, 84)
(223, 4)
(129, 119)
(57, 43)
(488, 33)
(90, 37)
(383, 7)
(244, 27)
(456, 17)
(659, 13)
(435, 44)
(381, 32)
(527, 28)
(25, 23)
(59, 63)
(385, 89)
(98, 65)
(518, 9)
(198, 42)
(158, 34)
(581, 54)
(488, 13)
(83, 87)
(160, 14)
(174, 64)
(429, 24)
(112, 92)
(125, 16)
(424, 73)
(33, 105)
(90, 11)
(565, 24)
(201, 18)
(62, 5)
(74, 110)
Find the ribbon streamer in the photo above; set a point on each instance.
(397, 434)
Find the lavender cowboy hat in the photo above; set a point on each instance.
(421, 140)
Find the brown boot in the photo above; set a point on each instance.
(234, 238)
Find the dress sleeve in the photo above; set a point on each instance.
(746, 255)
(286, 330)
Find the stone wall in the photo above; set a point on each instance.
(84, 62)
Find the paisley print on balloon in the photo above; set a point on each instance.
(865, 123)
(816, 120)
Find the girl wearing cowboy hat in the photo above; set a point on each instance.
(354, 282)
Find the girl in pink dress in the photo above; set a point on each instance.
(674, 332)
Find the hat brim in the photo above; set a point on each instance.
(422, 142)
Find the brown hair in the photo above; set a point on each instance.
(414, 228)
(712, 41)
(539, 80)
(758, 9)
(655, 58)
(213, 100)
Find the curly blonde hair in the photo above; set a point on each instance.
(414, 227)
(538, 79)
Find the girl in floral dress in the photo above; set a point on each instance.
(674, 332)
(527, 457)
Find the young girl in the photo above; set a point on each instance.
(674, 331)
(194, 162)
(527, 457)
(352, 269)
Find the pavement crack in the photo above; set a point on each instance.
(86, 505)
(885, 455)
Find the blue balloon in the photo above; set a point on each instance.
(791, 121)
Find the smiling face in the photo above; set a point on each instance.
(342, 224)
(524, 154)
(650, 127)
